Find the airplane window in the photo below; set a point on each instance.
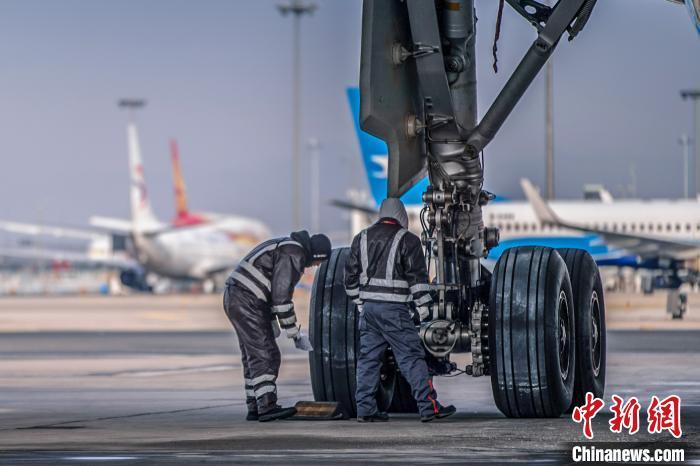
(534, 226)
(605, 226)
(614, 227)
(517, 226)
(507, 226)
(668, 227)
(624, 227)
(688, 227)
(659, 227)
(678, 227)
(525, 226)
(633, 226)
(641, 227)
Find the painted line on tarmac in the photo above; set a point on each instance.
(162, 372)
(126, 416)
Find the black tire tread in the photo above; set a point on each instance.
(335, 337)
(519, 298)
(585, 278)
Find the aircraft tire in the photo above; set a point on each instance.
(589, 305)
(334, 334)
(532, 342)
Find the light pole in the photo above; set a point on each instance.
(549, 118)
(684, 141)
(694, 95)
(297, 9)
(131, 105)
(315, 172)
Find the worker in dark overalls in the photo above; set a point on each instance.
(386, 276)
(258, 301)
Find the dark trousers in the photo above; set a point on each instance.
(260, 355)
(385, 325)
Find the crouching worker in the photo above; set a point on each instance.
(258, 301)
(384, 274)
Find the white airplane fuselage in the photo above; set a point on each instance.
(195, 246)
(198, 251)
(518, 224)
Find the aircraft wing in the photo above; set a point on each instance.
(57, 232)
(75, 258)
(643, 246)
(349, 205)
(116, 225)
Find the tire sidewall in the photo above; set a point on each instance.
(588, 281)
(558, 281)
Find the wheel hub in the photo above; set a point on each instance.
(596, 352)
(564, 339)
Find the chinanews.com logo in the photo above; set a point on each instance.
(662, 416)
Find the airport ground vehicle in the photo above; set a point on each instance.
(538, 334)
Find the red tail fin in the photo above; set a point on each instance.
(183, 217)
(181, 209)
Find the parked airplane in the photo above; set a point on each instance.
(659, 235)
(193, 247)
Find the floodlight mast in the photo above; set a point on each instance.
(694, 96)
(131, 105)
(420, 97)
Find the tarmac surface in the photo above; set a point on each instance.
(131, 394)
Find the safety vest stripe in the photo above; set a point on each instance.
(285, 314)
(420, 287)
(266, 389)
(264, 247)
(388, 283)
(282, 308)
(245, 281)
(390, 297)
(249, 392)
(364, 258)
(263, 378)
(271, 245)
(352, 292)
(423, 300)
(284, 243)
(392, 253)
(256, 274)
(287, 321)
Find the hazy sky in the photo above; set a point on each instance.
(216, 75)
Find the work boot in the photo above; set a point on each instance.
(376, 417)
(252, 409)
(276, 412)
(442, 411)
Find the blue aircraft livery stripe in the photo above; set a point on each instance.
(375, 156)
(602, 254)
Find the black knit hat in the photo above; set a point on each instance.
(320, 247)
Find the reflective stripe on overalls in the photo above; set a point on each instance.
(388, 281)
